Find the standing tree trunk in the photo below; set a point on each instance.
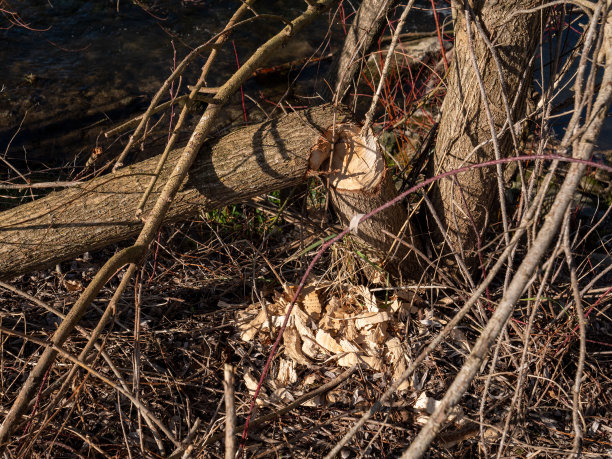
(365, 29)
(361, 184)
(467, 203)
(364, 182)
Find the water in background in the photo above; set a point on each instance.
(79, 67)
(78, 63)
(82, 66)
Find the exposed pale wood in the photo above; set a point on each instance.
(361, 184)
(243, 164)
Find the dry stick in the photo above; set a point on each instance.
(358, 40)
(483, 398)
(523, 363)
(112, 307)
(586, 5)
(186, 443)
(583, 149)
(91, 342)
(593, 228)
(58, 184)
(134, 121)
(385, 70)
(59, 350)
(576, 412)
(418, 253)
(573, 131)
(230, 412)
(458, 258)
(153, 222)
(502, 313)
(579, 98)
(543, 132)
(86, 439)
(177, 72)
(192, 96)
(3, 157)
(145, 117)
(383, 424)
(136, 353)
(341, 378)
(603, 272)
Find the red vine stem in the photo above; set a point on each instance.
(435, 13)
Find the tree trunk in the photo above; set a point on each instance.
(361, 184)
(243, 164)
(365, 29)
(465, 205)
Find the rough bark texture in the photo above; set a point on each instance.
(396, 258)
(234, 168)
(365, 28)
(467, 203)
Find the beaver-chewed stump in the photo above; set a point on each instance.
(236, 167)
(360, 182)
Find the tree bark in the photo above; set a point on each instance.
(243, 164)
(465, 204)
(365, 28)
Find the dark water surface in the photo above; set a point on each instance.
(82, 62)
(73, 68)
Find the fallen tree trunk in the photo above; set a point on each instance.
(243, 164)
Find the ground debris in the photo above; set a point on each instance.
(352, 328)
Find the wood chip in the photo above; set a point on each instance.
(372, 319)
(327, 341)
(293, 346)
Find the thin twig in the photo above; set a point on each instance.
(59, 350)
(230, 412)
(383, 75)
(192, 96)
(576, 412)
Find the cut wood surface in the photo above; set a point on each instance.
(245, 163)
(361, 184)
